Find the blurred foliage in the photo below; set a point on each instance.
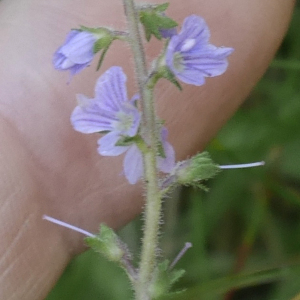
(246, 230)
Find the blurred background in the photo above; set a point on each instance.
(246, 230)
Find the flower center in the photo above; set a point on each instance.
(125, 121)
(188, 44)
(177, 61)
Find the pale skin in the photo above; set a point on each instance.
(47, 168)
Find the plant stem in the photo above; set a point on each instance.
(153, 198)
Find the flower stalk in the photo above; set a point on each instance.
(153, 198)
(131, 126)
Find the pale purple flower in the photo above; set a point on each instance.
(133, 161)
(110, 110)
(190, 56)
(76, 53)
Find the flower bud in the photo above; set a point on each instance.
(80, 48)
(76, 53)
(193, 171)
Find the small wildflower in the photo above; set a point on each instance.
(190, 56)
(110, 110)
(76, 53)
(111, 113)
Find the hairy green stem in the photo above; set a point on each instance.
(153, 198)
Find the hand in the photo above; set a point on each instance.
(48, 168)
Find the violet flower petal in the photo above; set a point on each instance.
(80, 48)
(133, 164)
(107, 145)
(89, 117)
(167, 163)
(111, 88)
(110, 110)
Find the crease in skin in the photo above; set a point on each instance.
(15, 240)
(32, 284)
(27, 285)
(7, 201)
(7, 273)
(105, 193)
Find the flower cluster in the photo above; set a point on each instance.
(139, 135)
(188, 56)
(111, 113)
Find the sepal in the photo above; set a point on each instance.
(154, 20)
(163, 280)
(164, 72)
(105, 37)
(194, 171)
(108, 244)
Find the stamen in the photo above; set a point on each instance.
(186, 247)
(241, 166)
(61, 223)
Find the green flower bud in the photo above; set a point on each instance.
(193, 171)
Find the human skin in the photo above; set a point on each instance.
(48, 168)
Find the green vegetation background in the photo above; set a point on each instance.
(246, 230)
